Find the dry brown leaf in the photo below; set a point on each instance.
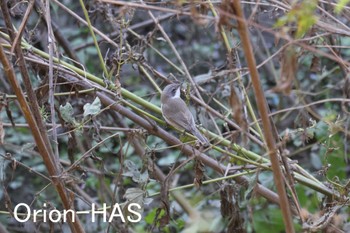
(199, 171)
(224, 12)
(230, 209)
(315, 65)
(237, 111)
(288, 71)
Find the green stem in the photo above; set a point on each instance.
(103, 65)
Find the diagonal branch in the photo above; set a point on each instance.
(263, 110)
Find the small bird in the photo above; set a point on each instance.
(176, 112)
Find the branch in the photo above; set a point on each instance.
(263, 109)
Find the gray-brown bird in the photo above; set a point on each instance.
(176, 112)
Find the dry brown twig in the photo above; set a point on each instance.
(263, 109)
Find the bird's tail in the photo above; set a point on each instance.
(200, 137)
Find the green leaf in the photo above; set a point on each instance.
(92, 109)
(135, 195)
(340, 5)
(67, 113)
(133, 172)
(302, 14)
(315, 160)
(266, 219)
(281, 22)
(304, 24)
(131, 168)
(149, 218)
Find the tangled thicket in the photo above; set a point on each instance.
(80, 118)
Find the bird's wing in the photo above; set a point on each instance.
(177, 114)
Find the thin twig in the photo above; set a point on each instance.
(22, 26)
(51, 39)
(102, 63)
